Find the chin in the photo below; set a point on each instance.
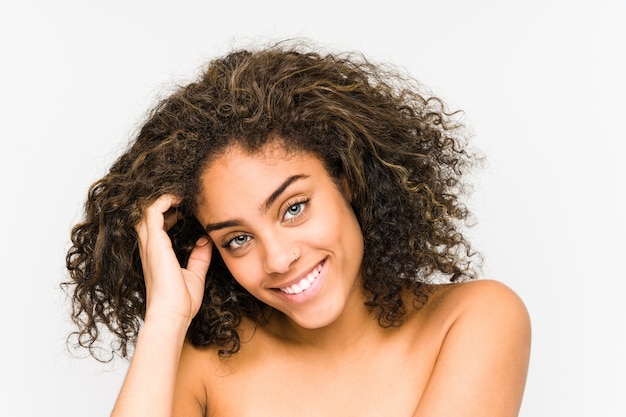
(315, 319)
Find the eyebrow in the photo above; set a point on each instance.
(264, 207)
(270, 200)
(221, 225)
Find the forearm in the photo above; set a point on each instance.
(148, 389)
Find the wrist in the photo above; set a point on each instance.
(166, 323)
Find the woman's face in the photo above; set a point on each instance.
(285, 230)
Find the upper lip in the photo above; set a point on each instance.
(301, 276)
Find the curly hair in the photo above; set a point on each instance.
(402, 153)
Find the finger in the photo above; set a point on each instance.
(200, 257)
(154, 218)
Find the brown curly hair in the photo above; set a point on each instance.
(401, 152)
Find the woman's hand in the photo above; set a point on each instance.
(171, 291)
(173, 297)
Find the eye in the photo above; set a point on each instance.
(236, 242)
(294, 210)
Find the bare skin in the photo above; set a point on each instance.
(436, 364)
(464, 353)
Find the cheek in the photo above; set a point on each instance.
(350, 230)
(339, 226)
(242, 269)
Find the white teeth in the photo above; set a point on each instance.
(304, 283)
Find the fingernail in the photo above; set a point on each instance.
(203, 241)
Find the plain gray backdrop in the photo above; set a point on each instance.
(542, 86)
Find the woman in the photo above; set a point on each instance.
(270, 243)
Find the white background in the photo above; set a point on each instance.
(543, 87)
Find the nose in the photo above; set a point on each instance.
(280, 253)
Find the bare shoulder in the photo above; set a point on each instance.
(477, 299)
(201, 377)
(476, 310)
(190, 398)
(482, 307)
(484, 347)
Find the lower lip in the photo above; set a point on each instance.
(310, 292)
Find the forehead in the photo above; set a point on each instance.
(237, 162)
(237, 176)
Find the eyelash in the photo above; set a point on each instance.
(302, 203)
(229, 242)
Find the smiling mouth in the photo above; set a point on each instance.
(305, 283)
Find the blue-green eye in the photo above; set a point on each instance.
(294, 210)
(237, 242)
